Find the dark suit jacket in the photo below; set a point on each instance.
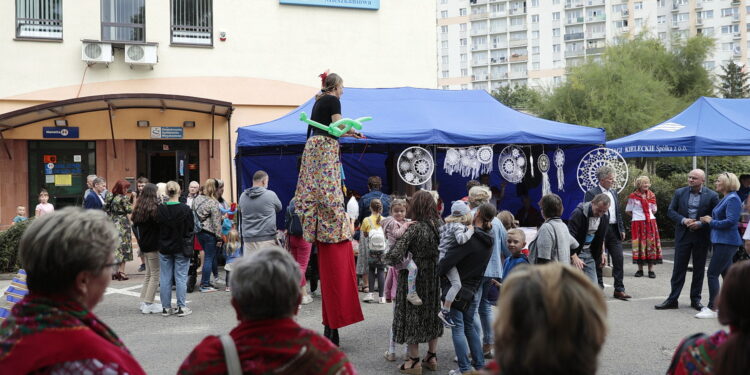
(92, 202)
(678, 210)
(618, 214)
(578, 226)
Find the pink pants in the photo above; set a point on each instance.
(300, 250)
(391, 283)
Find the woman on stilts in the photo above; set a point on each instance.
(320, 206)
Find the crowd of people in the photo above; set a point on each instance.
(438, 272)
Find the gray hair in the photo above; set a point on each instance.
(601, 198)
(604, 171)
(265, 285)
(56, 247)
(479, 195)
(99, 180)
(91, 177)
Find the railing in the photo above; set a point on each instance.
(574, 53)
(597, 18)
(478, 16)
(38, 28)
(499, 60)
(521, 74)
(503, 75)
(497, 14)
(517, 27)
(595, 3)
(475, 32)
(478, 62)
(519, 58)
(597, 35)
(517, 11)
(574, 20)
(571, 4)
(519, 42)
(499, 45)
(498, 30)
(479, 47)
(594, 51)
(573, 36)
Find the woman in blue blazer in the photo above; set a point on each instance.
(725, 236)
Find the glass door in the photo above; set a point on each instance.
(61, 168)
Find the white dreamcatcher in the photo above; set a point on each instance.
(512, 164)
(560, 164)
(470, 161)
(597, 158)
(415, 165)
(543, 164)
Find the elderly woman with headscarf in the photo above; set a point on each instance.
(68, 256)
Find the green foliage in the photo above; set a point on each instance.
(638, 83)
(518, 97)
(9, 240)
(734, 82)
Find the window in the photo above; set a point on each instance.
(555, 2)
(534, 3)
(556, 48)
(443, 14)
(462, 41)
(730, 29)
(462, 27)
(464, 72)
(40, 19)
(707, 31)
(661, 19)
(534, 35)
(706, 14)
(444, 44)
(555, 16)
(535, 50)
(681, 17)
(445, 74)
(638, 22)
(708, 65)
(464, 57)
(444, 29)
(445, 60)
(638, 5)
(443, 1)
(462, 12)
(662, 36)
(556, 32)
(727, 12)
(535, 18)
(661, 3)
(123, 20)
(192, 22)
(535, 66)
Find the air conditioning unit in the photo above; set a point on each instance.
(93, 52)
(141, 54)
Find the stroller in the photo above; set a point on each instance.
(195, 264)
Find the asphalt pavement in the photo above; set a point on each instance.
(641, 340)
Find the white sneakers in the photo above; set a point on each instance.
(368, 298)
(707, 313)
(150, 308)
(306, 299)
(381, 300)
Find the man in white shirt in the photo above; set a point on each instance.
(615, 230)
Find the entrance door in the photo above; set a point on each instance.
(61, 168)
(162, 161)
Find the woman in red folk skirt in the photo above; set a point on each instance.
(646, 243)
(320, 206)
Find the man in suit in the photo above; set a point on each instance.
(615, 231)
(692, 237)
(94, 200)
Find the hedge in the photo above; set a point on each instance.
(9, 240)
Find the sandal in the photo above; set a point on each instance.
(412, 369)
(123, 276)
(428, 363)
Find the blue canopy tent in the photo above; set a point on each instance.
(404, 117)
(708, 127)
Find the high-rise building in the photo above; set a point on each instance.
(532, 42)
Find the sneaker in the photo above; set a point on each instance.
(142, 306)
(208, 289)
(306, 299)
(390, 357)
(445, 317)
(368, 298)
(454, 372)
(155, 308)
(707, 313)
(414, 299)
(382, 300)
(227, 289)
(167, 312)
(184, 311)
(142, 268)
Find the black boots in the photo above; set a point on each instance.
(331, 334)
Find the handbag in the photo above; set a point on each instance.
(463, 299)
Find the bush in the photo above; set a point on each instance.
(9, 240)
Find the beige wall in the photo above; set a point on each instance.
(393, 46)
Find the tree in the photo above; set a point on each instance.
(734, 82)
(518, 97)
(637, 83)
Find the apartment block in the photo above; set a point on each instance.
(532, 42)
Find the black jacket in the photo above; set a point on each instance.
(175, 229)
(578, 226)
(147, 234)
(618, 213)
(678, 210)
(470, 259)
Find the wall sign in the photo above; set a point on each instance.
(356, 4)
(60, 132)
(167, 132)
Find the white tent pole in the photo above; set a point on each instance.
(695, 162)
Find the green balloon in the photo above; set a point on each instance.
(338, 128)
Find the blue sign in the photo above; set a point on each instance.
(167, 132)
(60, 132)
(357, 4)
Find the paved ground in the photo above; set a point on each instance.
(641, 340)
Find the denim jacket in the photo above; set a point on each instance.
(725, 217)
(499, 250)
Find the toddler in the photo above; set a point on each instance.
(44, 207)
(376, 245)
(456, 231)
(20, 215)
(516, 244)
(233, 251)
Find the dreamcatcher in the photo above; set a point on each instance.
(484, 156)
(512, 164)
(452, 163)
(470, 161)
(415, 165)
(597, 158)
(559, 164)
(543, 164)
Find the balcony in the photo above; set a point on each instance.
(593, 3)
(498, 30)
(478, 16)
(462, 49)
(520, 27)
(479, 77)
(517, 75)
(518, 11)
(736, 18)
(535, 42)
(625, 14)
(573, 4)
(479, 47)
(535, 26)
(518, 58)
(596, 35)
(501, 13)
(479, 62)
(519, 42)
(597, 18)
(499, 60)
(737, 36)
(500, 45)
(500, 75)
(574, 53)
(475, 32)
(699, 21)
(698, 5)
(573, 36)
(462, 34)
(574, 20)
(479, 2)
(594, 50)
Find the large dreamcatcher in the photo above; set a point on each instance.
(543, 163)
(560, 164)
(415, 165)
(512, 164)
(597, 158)
(469, 161)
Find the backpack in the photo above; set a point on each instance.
(376, 244)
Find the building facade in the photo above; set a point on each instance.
(130, 88)
(532, 42)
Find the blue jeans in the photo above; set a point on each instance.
(589, 266)
(208, 242)
(483, 317)
(465, 337)
(720, 262)
(173, 265)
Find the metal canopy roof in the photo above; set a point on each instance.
(48, 111)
